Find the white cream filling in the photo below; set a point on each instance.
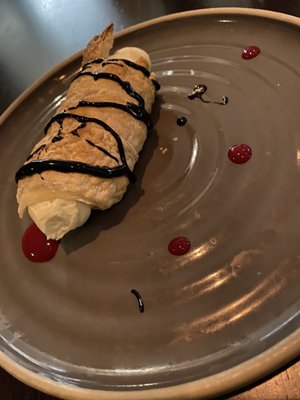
(57, 217)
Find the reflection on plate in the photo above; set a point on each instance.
(226, 311)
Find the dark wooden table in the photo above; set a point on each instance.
(282, 385)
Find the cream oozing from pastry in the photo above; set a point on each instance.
(59, 216)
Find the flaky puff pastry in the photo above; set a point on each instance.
(71, 140)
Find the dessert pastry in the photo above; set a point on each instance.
(91, 144)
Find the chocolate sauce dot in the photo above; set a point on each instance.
(179, 246)
(239, 153)
(250, 52)
(35, 245)
(181, 121)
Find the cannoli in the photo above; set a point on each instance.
(91, 144)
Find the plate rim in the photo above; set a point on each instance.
(204, 388)
(223, 382)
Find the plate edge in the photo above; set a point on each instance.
(217, 384)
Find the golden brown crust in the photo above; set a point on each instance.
(99, 192)
(99, 46)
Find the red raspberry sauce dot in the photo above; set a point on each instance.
(35, 245)
(250, 52)
(239, 153)
(179, 246)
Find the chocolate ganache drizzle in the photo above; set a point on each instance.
(137, 111)
(97, 60)
(139, 299)
(200, 90)
(127, 62)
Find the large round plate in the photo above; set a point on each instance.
(220, 316)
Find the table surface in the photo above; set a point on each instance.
(31, 28)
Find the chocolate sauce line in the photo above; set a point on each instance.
(137, 112)
(139, 299)
(103, 150)
(36, 151)
(134, 66)
(134, 110)
(130, 64)
(113, 62)
(155, 84)
(127, 62)
(74, 132)
(124, 85)
(39, 166)
(56, 138)
(82, 119)
(97, 60)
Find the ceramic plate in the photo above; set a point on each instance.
(227, 311)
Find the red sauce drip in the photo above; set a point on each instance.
(179, 246)
(35, 245)
(239, 153)
(250, 52)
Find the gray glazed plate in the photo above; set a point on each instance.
(216, 318)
